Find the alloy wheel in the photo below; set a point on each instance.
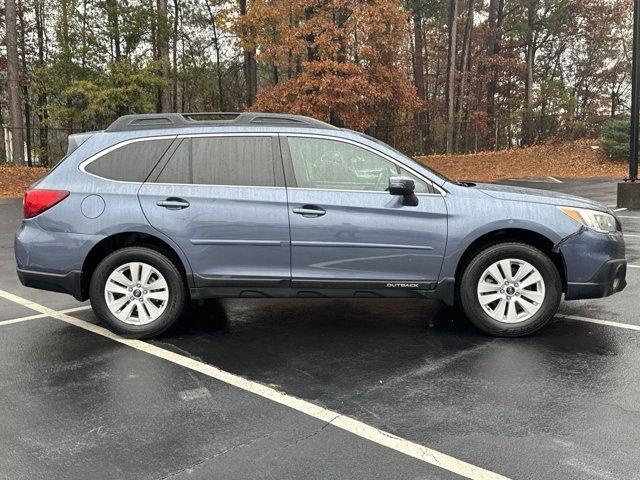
(511, 290)
(136, 293)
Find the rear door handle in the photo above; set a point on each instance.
(310, 211)
(173, 203)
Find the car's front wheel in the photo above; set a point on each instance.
(510, 289)
(137, 292)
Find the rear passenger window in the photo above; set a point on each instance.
(241, 161)
(131, 162)
(178, 169)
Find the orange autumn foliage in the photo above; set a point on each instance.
(337, 60)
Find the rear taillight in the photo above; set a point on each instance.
(37, 201)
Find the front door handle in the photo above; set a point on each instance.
(173, 203)
(310, 211)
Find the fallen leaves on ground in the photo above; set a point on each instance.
(14, 181)
(578, 159)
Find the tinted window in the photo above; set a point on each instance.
(131, 162)
(330, 164)
(178, 169)
(243, 161)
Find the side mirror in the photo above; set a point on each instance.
(401, 186)
(404, 187)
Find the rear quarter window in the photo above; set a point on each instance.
(131, 162)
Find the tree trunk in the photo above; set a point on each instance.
(183, 89)
(615, 101)
(340, 17)
(13, 84)
(174, 67)
(3, 150)
(418, 75)
(163, 55)
(464, 64)
(310, 38)
(527, 119)
(153, 28)
(216, 46)
(496, 19)
(273, 68)
(41, 105)
(250, 66)
(491, 51)
(83, 33)
(25, 90)
(273, 73)
(427, 114)
(451, 74)
(114, 27)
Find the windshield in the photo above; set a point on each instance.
(380, 142)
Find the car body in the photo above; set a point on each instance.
(265, 205)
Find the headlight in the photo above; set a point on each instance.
(599, 221)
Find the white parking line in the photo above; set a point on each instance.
(555, 179)
(628, 216)
(633, 266)
(620, 209)
(356, 427)
(631, 235)
(42, 315)
(578, 318)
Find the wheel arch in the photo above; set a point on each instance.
(121, 240)
(503, 235)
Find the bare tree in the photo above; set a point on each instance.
(43, 132)
(13, 84)
(25, 90)
(174, 61)
(250, 66)
(3, 152)
(216, 46)
(496, 17)
(163, 55)
(451, 74)
(465, 62)
(420, 117)
(527, 120)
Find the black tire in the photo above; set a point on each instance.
(485, 258)
(176, 295)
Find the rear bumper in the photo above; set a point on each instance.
(51, 260)
(70, 283)
(610, 279)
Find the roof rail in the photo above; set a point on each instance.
(183, 120)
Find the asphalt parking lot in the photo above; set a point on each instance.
(320, 388)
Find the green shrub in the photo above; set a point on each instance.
(615, 138)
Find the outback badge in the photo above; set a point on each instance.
(403, 285)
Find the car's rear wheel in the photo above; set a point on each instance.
(137, 292)
(510, 289)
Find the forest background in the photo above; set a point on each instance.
(427, 76)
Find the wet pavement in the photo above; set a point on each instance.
(561, 404)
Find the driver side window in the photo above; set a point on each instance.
(332, 165)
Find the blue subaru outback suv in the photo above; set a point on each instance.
(160, 209)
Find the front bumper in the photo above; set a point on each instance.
(70, 283)
(595, 264)
(610, 279)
